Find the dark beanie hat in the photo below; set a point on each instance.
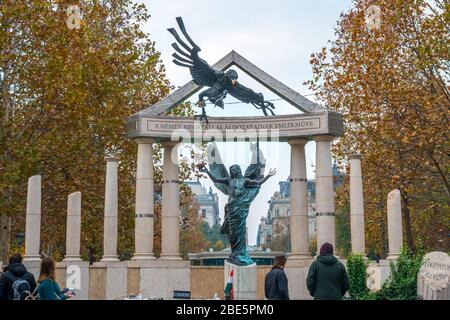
(326, 248)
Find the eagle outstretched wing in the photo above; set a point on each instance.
(216, 166)
(245, 94)
(202, 73)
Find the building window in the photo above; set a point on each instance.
(203, 213)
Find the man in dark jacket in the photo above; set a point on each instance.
(276, 283)
(14, 271)
(327, 278)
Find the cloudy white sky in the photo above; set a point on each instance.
(277, 36)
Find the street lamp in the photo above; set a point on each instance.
(20, 237)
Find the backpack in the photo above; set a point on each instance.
(21, 289)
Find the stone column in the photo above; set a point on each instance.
(170, 215)
(73, 228)
(144, 201)
(326, 231)
(395, 228)
(76, 270)
(111, 211)
(356, 206)
(299, 201)
(33, 220)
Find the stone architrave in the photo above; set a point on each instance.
(433, 279)
(244, 280)
(395, 229)
(33, 220)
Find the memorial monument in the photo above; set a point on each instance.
(161, 276)
(241, 191)
(154, 124)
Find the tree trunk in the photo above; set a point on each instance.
(407, 218)
(5, 235)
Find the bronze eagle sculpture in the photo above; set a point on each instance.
(220, 83)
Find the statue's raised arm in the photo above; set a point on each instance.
(214, 179)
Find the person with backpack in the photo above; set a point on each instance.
(48, 288)
(327, 278)
(16, 283)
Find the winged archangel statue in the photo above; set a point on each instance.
(241, 191)
(220, 83)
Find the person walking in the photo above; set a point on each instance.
(327, 278)
(16, 283)
(48, 288)
(276, 282)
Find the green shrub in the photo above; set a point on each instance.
(356, 268)
(402, 281)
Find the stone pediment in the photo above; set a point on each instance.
(313, 119)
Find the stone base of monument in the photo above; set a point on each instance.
(116, 283)
(33, 266)
(74, 274)
(296, 271)
(244, 280)
(433, 279)
(160, 278)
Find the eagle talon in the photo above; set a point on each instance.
(202, 116)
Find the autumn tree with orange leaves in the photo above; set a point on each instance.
(388, 74)
(67, 86)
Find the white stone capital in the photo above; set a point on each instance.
(323, 137)
(111, 159)
(170, 143)
(297, 141)
(356, 156)
(145, 140)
